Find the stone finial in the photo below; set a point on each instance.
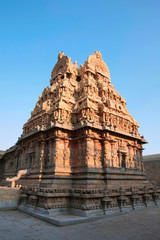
(75, 63)
(61, 54)
(98, 54)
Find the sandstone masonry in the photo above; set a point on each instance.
(81, 147)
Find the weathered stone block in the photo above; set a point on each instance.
(9, 198)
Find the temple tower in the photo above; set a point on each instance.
(81, 146)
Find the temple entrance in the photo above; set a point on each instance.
(123, 163)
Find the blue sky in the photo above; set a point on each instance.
(32, 32)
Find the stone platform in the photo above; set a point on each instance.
(9, 198)
(70, 217)
(55, 219)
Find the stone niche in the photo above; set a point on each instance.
(81, 147)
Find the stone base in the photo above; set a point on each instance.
(9, 198)
(64, 217)
(60, 220)
(85, 213)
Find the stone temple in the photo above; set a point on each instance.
(81, 148)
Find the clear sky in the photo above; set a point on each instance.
(32, 32)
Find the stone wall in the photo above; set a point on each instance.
(1, 164)
(9, 198)
(152, 168)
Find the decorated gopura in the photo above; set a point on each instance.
(81, 148)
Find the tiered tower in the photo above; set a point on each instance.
(81, 146)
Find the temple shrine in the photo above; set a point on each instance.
(81, 147)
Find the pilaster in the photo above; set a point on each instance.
(113, 153)
(41, 160)
(107, 153)
(89, 159)
(97, 154)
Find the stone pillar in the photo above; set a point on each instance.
(107, 153)
(50, 155)
(89, 160)
(50, 151)
(113, 154)
(80, 153)
(56, 152)
(119, 159)
(83, 152)
(137, 158)
(97, 155)
(129, 157)
(127, 160)
(66, 159)
(42, 148)
(61, 157)
(32, 158)
(134, 156)
(37, 155)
